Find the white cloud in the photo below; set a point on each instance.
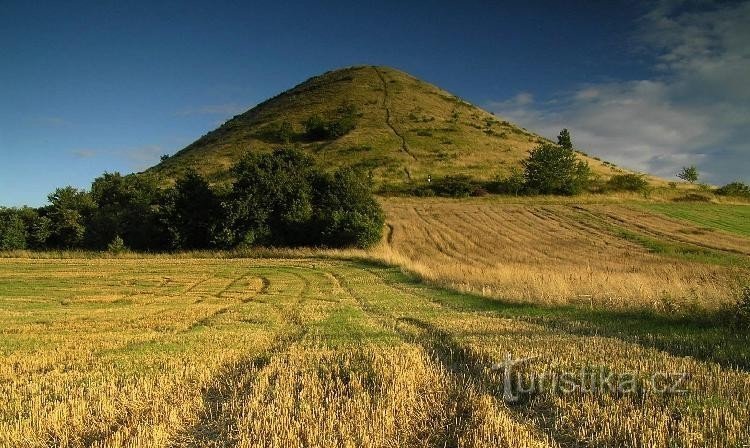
(694, 110)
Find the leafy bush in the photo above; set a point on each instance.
(627, 182)
(316, 128)
(737, 189)
(458, 186)
(479, 192)
(512, 184)
(276, 132)
(116, 246)
(552, 169)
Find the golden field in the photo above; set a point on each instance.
(339, 348)
(601, 255)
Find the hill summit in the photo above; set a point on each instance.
(395, 126)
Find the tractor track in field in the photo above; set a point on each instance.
(237, 377)
(468, 372)
(389, 121)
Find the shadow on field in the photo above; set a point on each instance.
(704, 337)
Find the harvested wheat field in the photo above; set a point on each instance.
(613, 255)
(158, 352)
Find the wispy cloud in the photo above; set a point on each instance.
(694, 110)
(84, 153)
(215, 109)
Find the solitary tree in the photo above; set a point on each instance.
(552, 169)
(688, 174)
(563, 139)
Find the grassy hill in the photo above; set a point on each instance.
(404, 130)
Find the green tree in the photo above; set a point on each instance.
(563, 139)
(552, 169)
(192, 211)
(69, 213)
(12, 230)
(689, 174)
(128, 206)
(38, 227)
(270, 202)
(347, 214)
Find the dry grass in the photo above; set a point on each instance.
(561, 254)
(153, 352)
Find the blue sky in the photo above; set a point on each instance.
(88, 87)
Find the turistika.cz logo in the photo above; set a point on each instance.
(596, 379)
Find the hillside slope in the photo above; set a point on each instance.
(406, 129)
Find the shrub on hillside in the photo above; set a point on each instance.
(317, 128)
(511, 184)
(457, 186)
(627, 182)
(552, 169)
(277, 132)
(737, 189)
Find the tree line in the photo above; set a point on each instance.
(277, 199)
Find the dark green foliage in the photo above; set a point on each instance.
(317, 128)
(737, 189)
(69, 213)
(512, 184)
(278, 199)
(688, 174)
(281, 199)
(458, 186)
(271, 200)
(117, 246)
(552, 169)
(627, 182)
(12, 230)
(39, 231)
(563, 139)
(282, 133)
(192, 211)
(127, 206)
(346, 213)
